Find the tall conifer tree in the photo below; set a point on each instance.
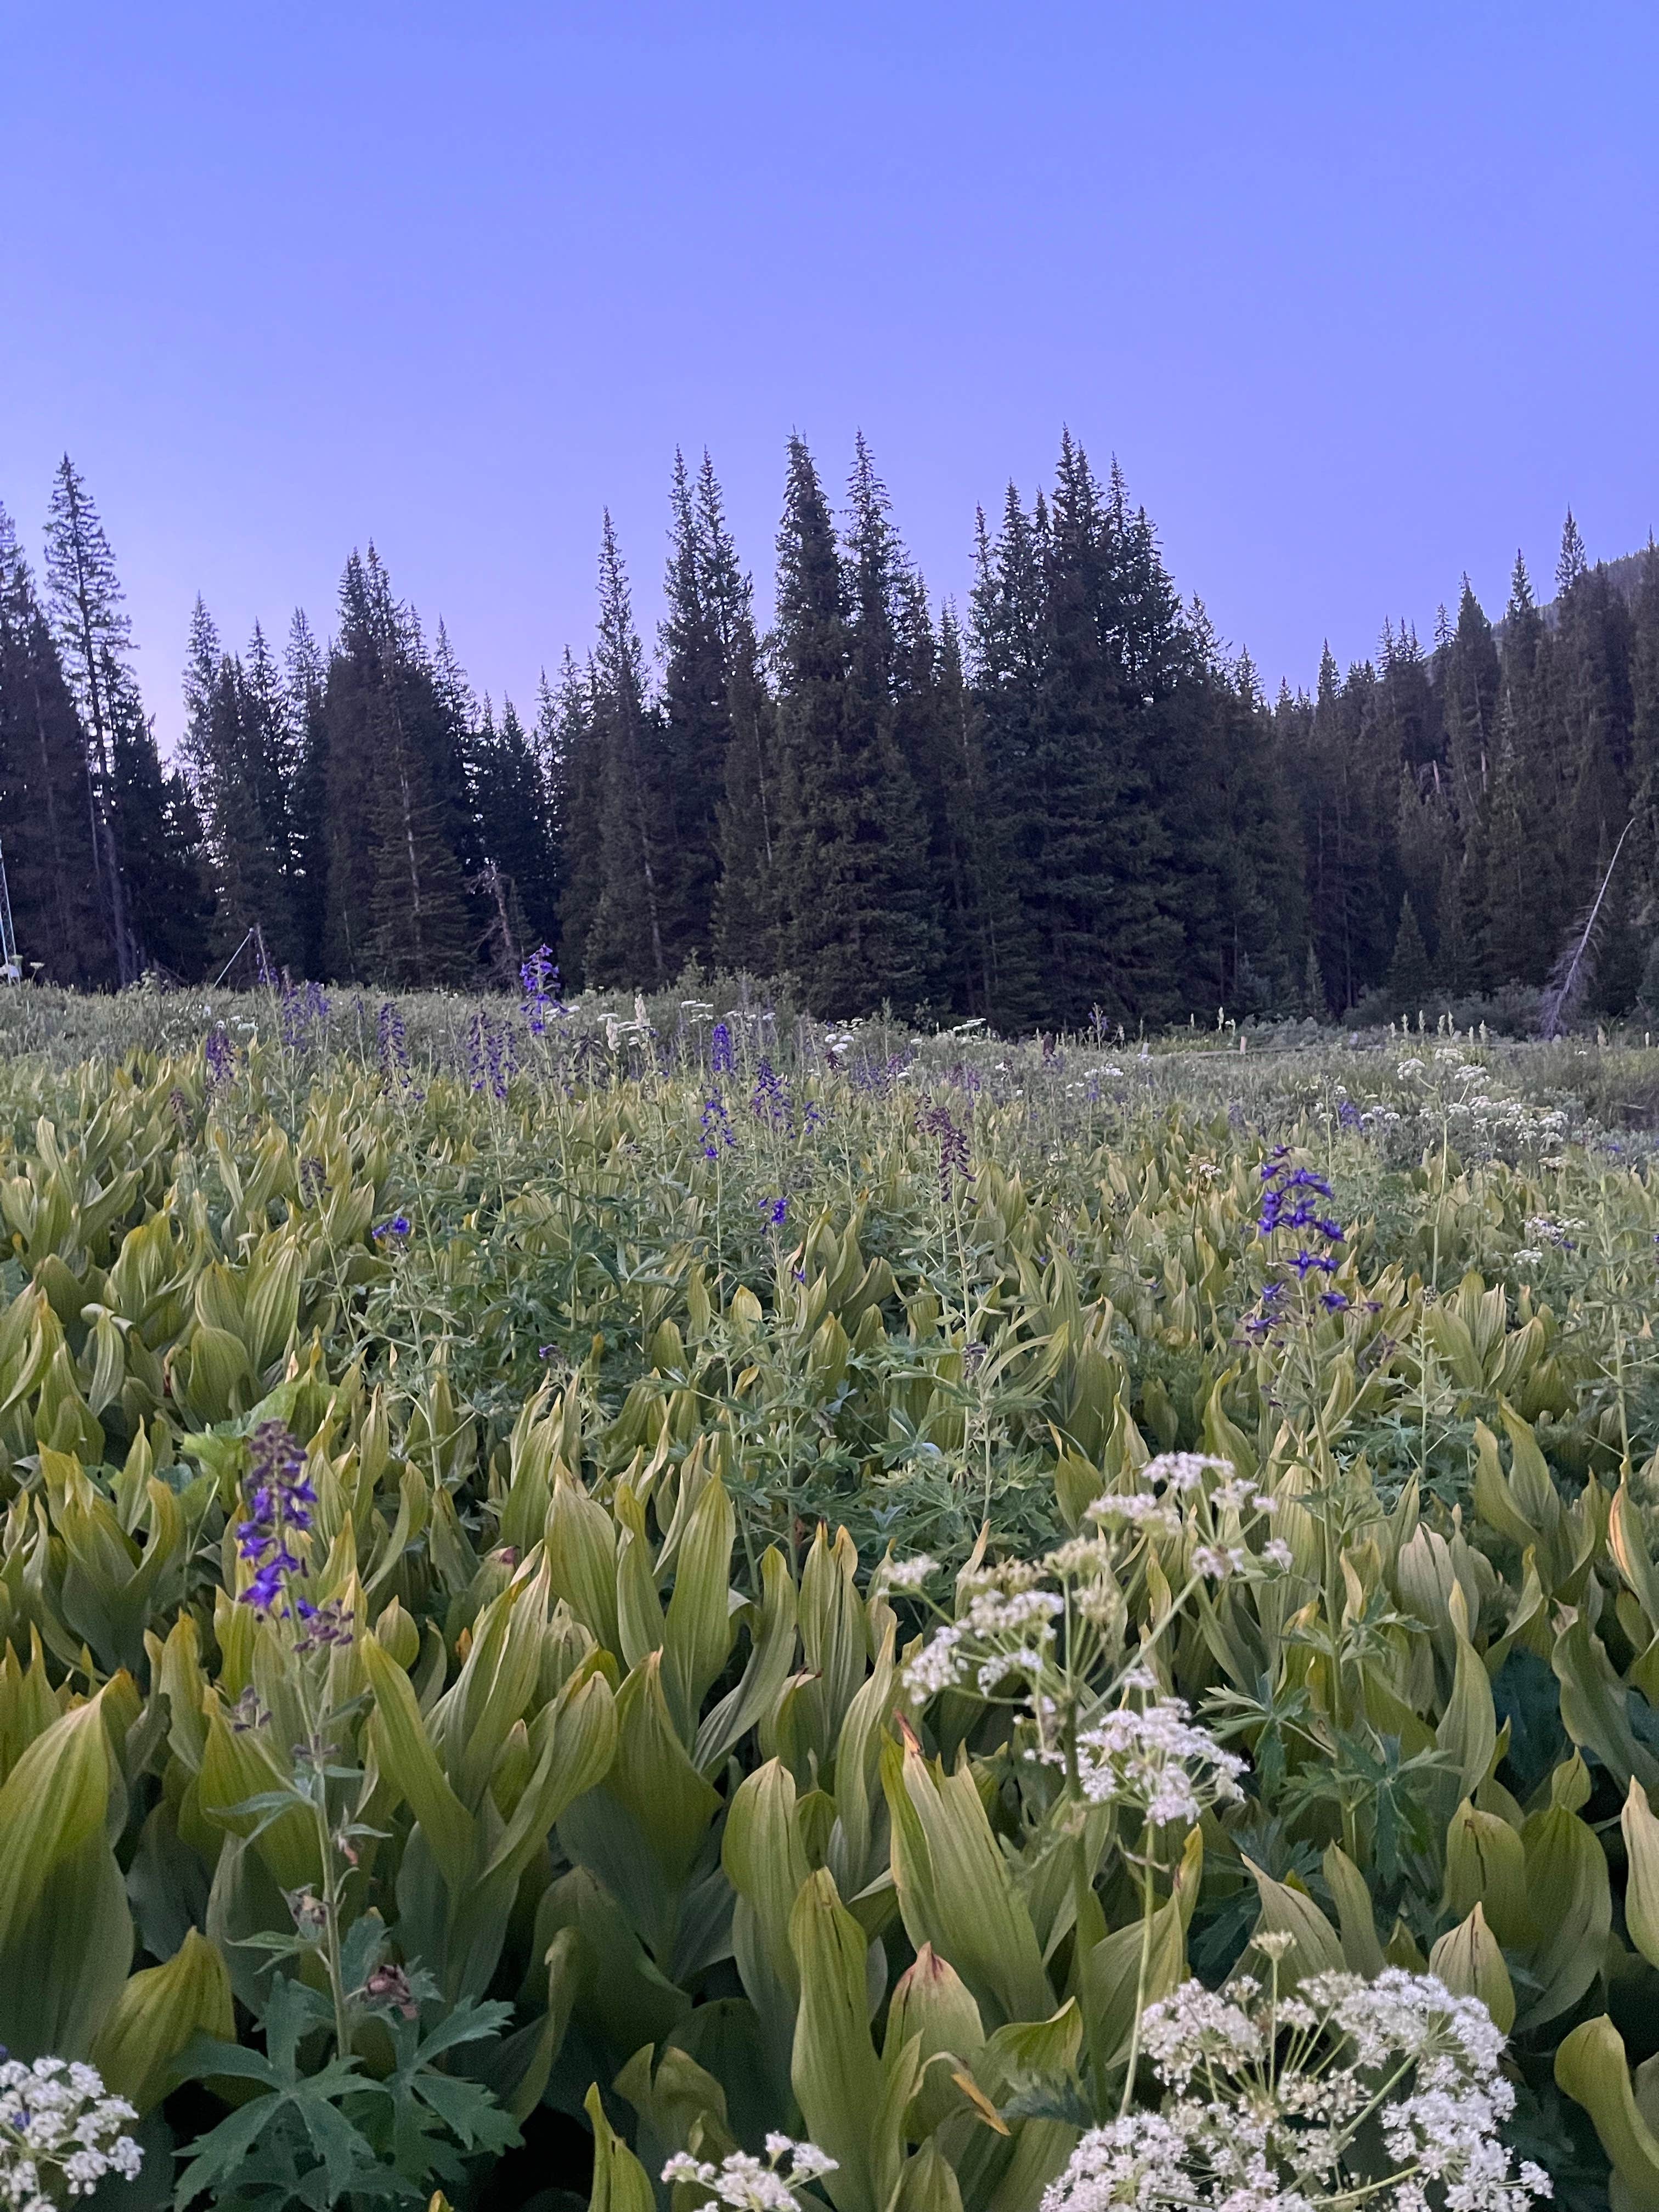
(570, 749)
(93, 637)
(626, 942)
(50, 864)
(850, 848)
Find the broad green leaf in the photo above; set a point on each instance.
(155, 2015)
(1315, 1947)
(1469, 1961)
(620, 2183)
(839, 2082)
(1569, 1901)
(53, 1803)
(1591, 2066)
(1641, 1832)
(766, 1862)
(1595, 1703)
(698, 1628)
(1467, 1732)
(1361, 1950)
(954, 1886)
(772, 1629)
(411, 1766)
(1486, 1865)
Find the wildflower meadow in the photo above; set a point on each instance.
(649, 1603)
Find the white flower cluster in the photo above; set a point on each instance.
(742, 2181)
(1155, 1760)
(1006, 1627)
(905, 1574)
(1386, 2091)
(57, 2126)
(1019, 1626)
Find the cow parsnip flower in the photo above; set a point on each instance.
(1384, 2094)
(59, 2134)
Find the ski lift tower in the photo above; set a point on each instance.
(11, 969)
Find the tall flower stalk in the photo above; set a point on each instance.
(273, 1541)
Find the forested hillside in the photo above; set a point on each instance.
(1066, 802)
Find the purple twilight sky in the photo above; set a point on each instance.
(1360, 296)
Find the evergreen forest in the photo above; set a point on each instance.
(1068, 804)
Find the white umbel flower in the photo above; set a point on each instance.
(58, 2130)
(1385, 2093)
(746, 2183)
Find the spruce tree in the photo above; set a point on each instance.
(397, 910)
(1457, 957)
(1585, 684)
(204, 655)
(1644, 733)
(50, 864)
(1346, 828)
(951, 775)
(305, 681)
(1314, 999)
(1571, 563)
(239, 770)
(625, 943)
(511, 799)
(1409, 977)
(84, 598)
(1247, 892)
(1468, 674)
(570, 741)
(1084, 814)
(1006, 666)
(850, 848)
(748, 915)
(274, 743)
(167, 892)
(1512, 947)
(697, 721)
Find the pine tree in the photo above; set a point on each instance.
(1329, 761)
(1467, 675)
(1571, 565)
(850, 843)
(1585, 683)
(305, 681)
(168, 896)
(1457, 958)
(204, 655)
(1006, 672)
(948, 764)
(240, 769)
(397, 909)
(512, 802)
(571, 762)
(1314, 999)
(1409, 976)
(748, 913)
(697, 719)
(625, 943)
(273, 743)
(1512, 947)
(1247, 894)
(50, 864)
(1644, 855)
(93, 637)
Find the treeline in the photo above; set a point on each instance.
(1067, 803)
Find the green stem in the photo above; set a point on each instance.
(1148, 1906)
